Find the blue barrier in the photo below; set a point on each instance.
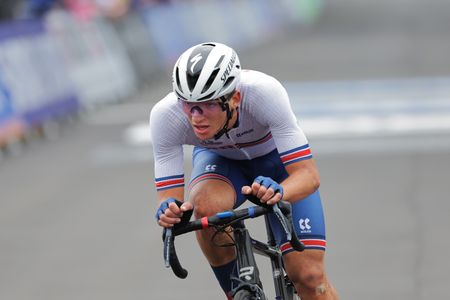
(5, 102)
(54, 110)
(51, 68)
(34, 87)
(11, 127)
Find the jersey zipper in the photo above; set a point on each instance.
(240, 149)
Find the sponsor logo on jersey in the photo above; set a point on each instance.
(244, 132)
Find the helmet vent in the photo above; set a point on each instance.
(210, 80)
(177, 76)
(228, 82)
(219, 62)
(180, 96)
(209, 44)
(192, 80)
(207, 97)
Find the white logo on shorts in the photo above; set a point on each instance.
(210, 168)
(304, 225)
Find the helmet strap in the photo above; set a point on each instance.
(224, 104)
(224, 129)
(225, 107)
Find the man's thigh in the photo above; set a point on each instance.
(216, 176)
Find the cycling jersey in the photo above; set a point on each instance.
(265, 123)
(265, 139)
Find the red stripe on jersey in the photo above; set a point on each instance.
(296, 155)
(169, 182)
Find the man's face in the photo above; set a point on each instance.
(206, 118)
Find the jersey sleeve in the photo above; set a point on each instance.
(272, 107)
(166, 132)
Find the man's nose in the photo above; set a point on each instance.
(196, 111)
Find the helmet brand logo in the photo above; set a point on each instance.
(195, 60)
(229, 67)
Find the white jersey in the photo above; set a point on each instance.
(266, 122)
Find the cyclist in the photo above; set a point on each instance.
(247, 141)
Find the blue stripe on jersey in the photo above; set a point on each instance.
(295, 149)
(169, 177)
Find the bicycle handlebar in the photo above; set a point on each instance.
(282, 210)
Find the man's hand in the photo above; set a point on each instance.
(266, 189)
(170, 212)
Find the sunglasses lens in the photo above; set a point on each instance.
(209, 107)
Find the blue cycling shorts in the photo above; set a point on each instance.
(307, 213)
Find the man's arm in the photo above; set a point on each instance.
(302, 181)
(168, 159)
(177, 193)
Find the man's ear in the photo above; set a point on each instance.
(236, 99)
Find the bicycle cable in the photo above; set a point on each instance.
(223, 229)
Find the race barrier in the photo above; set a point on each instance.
(96, 61)
(55, 67)
(33, 87)
(11, 127)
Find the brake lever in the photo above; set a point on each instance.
(283, 220)
(277, 211)
(170, 254)
(168, 240)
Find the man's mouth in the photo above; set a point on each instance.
(201, 128)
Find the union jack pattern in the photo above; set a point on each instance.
(296, 154)
(318, 244)
(164, 183)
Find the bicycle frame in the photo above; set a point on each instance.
(248, 273)
(246, 247)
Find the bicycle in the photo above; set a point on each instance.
(248, 284)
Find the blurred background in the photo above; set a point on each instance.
(369, 82)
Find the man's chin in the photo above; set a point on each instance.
(204, 134)
(204, 137)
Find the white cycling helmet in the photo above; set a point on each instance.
(206, 71)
